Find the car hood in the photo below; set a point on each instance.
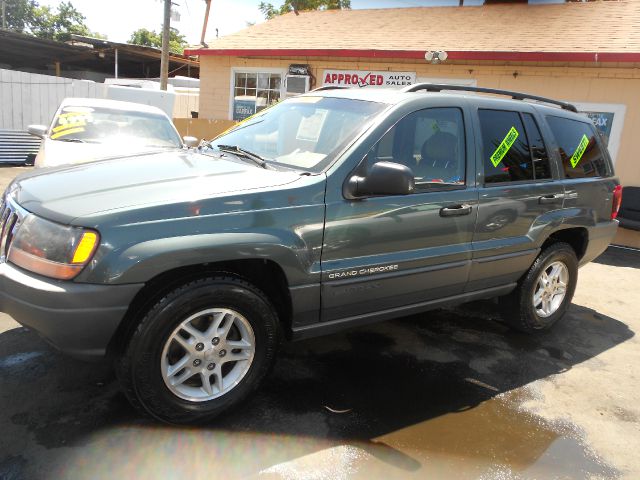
(66, 193)
(55, 153)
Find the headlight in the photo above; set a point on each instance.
(52, 249)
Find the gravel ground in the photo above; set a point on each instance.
(447, 394)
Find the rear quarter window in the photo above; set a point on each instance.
(579, 149)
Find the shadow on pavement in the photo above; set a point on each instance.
(422, 395)
(619, 257)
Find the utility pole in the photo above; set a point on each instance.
(164, 59)
(206, 21)
(4, 14)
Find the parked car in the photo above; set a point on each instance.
(88, 129)
(327, 211)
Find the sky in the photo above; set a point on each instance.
(119, 18)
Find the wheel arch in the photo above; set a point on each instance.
(576, 237)
(264, 274)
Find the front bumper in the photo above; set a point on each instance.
(78, 319)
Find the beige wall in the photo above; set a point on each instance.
(577, 83)
(201, 128)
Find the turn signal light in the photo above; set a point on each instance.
(85, 247)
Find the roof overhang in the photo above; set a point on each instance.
(587, 57)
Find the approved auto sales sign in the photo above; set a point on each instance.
(366, 78)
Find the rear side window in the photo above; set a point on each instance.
(505, 147)
(579, 149)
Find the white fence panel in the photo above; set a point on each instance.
(185, 104)
(30, 98)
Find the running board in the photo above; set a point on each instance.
(325, 328)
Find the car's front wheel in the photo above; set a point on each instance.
(545, 292)
(200, 350)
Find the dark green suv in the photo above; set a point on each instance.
(329, 210)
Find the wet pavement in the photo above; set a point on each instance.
(437, 395)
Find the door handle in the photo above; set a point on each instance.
(546, 199)
(455, 210)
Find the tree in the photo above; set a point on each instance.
(27, 16)
(151, 38)
(18, 14)
(269, 11)
(58, 24)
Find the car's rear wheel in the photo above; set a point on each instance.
(200, 350)
(545, 292)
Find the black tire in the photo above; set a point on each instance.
(517, 308)
(138, 367)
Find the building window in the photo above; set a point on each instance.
(253, 91)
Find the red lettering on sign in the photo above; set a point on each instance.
(327, 79)
(379, 80)
(334, 77)
(340, 77)
(347, 79)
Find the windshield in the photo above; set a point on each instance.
(105, 125)
(302, 132)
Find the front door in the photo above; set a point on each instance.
(388, 253)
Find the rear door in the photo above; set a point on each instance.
(584, 164)
(386, 253)
(519, 194)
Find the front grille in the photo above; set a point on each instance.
(9, 222)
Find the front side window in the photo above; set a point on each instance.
(578, 147)
(303, 132)
(430, 142)
(253, 91)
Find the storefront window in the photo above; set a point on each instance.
(254, 91)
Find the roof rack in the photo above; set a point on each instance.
(328, 87)
(435, 87)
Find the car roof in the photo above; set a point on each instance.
(111, 104)
(393, 96)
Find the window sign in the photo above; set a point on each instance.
(368, 78)
(243, 108)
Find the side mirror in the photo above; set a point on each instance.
(382, 178)
(37, 130)
(190, 142)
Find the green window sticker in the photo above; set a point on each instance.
(504, 147)
(582, 147)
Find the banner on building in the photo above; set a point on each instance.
(608, 119)
(603, 122)
(367, 78)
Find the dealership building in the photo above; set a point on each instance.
(584, 53)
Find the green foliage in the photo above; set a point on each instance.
(151, 38)
(18, 14)
(269, 11)
(27, 16)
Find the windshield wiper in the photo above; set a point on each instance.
(241, 152)
(74, 140)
